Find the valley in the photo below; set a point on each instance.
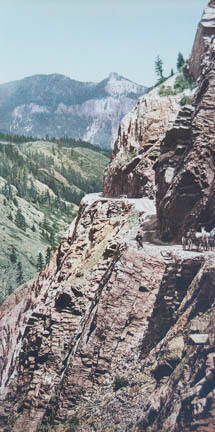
(41, 185)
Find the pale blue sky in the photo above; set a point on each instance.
(87, 39)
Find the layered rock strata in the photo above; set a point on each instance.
(114, 334)
(137, 147)
(185, 169)
(205, 32)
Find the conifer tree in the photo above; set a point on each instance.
(20, 220)
(180, 61)
(7, 191)
(52, 237)
(13, 255)
(45, 224)
(159, 68)
(40, 262)
(48, 255)
(10, 290)
(20, 277)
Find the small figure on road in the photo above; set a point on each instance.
(91, 236)
(139, 239)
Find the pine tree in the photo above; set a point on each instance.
(20, 277)
(159, 68)
(10, 217)
(20, 220)
(13, 255)
(10, 290)
(15, 202)
(45, 224)
(52, 237)
(7, 191)
(180, 61)
(40, 262)
(48, 255)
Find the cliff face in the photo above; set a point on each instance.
(112, 335)
(185, 169)
(118, 333)
(138, 145)
(205, 32)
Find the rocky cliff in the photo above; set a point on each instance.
(118, 333)
(58, 106)
(205, 32)
(112, 335)
(138, 143)
(185, 169)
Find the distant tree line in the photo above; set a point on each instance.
(17, 139)
(64, 141)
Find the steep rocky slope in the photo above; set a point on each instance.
(138, 143)
(111, 336)
(185, 169)
(202, 41)
(58, 106)
(118, 332)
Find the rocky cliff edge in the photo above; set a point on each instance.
(116, 334)
(185, 169)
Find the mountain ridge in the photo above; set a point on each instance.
(56, 105)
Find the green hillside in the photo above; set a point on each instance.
(41, 185)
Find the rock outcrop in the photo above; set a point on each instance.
(138, 145)
(185, 169)
(206, 30)
(113, 335)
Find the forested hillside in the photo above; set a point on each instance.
(41, 185)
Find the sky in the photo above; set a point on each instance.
(87, 39)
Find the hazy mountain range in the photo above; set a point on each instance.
(56, 105)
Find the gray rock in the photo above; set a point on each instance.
(199, 339)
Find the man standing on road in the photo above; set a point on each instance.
(139, 239)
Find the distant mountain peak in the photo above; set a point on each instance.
(114, 75)
(119, 85)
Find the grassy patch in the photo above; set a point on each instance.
(120, 382)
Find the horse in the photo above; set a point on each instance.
(186, 241)
(211, 239)
(204, 238)
(198, 239)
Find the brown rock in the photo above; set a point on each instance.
(185, 170)
(205, 32)
(130, 172)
